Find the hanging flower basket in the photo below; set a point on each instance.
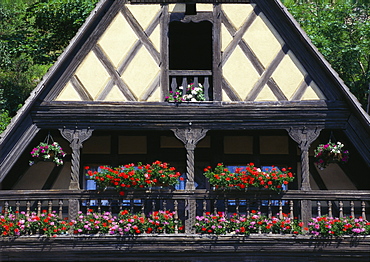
(248, 177)
(330, 153)
(133, 176)
(48, 152)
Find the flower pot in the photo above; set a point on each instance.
(48, 153)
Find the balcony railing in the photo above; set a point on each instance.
(197, 77)
(189, 203)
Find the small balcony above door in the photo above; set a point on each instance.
(191, 85)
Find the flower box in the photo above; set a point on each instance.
(158, 174)
(191, 94)
(221, 178)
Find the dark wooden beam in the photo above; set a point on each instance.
(210, 115)
(185, 248)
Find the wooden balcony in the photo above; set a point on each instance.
(189, 246)
(196, 77)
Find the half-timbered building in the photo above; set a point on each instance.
(269, 98)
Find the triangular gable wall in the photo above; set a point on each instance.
(124, 64)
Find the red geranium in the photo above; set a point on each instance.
(250, 176)
(135, 176)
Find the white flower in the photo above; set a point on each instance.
(333, 150)
(188, 97)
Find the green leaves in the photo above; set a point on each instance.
(341, 32)
(55, 23)
(33, 33)
(4, 120)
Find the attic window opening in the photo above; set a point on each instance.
(190, 46)
(190, 58)
(191, 9)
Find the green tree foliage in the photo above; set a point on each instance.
(33, 33)
(341, 32)
(17, 70)
(4, 120)
(4, 116)
(55, 23)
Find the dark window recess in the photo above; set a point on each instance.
(191, 9)
(190, 46)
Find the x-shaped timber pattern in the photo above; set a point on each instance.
(143, 40)
(265, 73)
(115, 74)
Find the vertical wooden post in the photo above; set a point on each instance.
(190, 138)
(164, 21)
(217, 66)
(304, 137)
(75, 138)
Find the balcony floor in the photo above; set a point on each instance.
(185, 247)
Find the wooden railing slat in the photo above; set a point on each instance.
(341, 209)
(206, 88)
(363, 209)
(291, 209)
(330, 212)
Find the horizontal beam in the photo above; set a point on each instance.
(210, 115)
(316, 195)
(184, 248)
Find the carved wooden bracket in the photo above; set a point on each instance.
(75, 137)
(304, 137)
(190, 137)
